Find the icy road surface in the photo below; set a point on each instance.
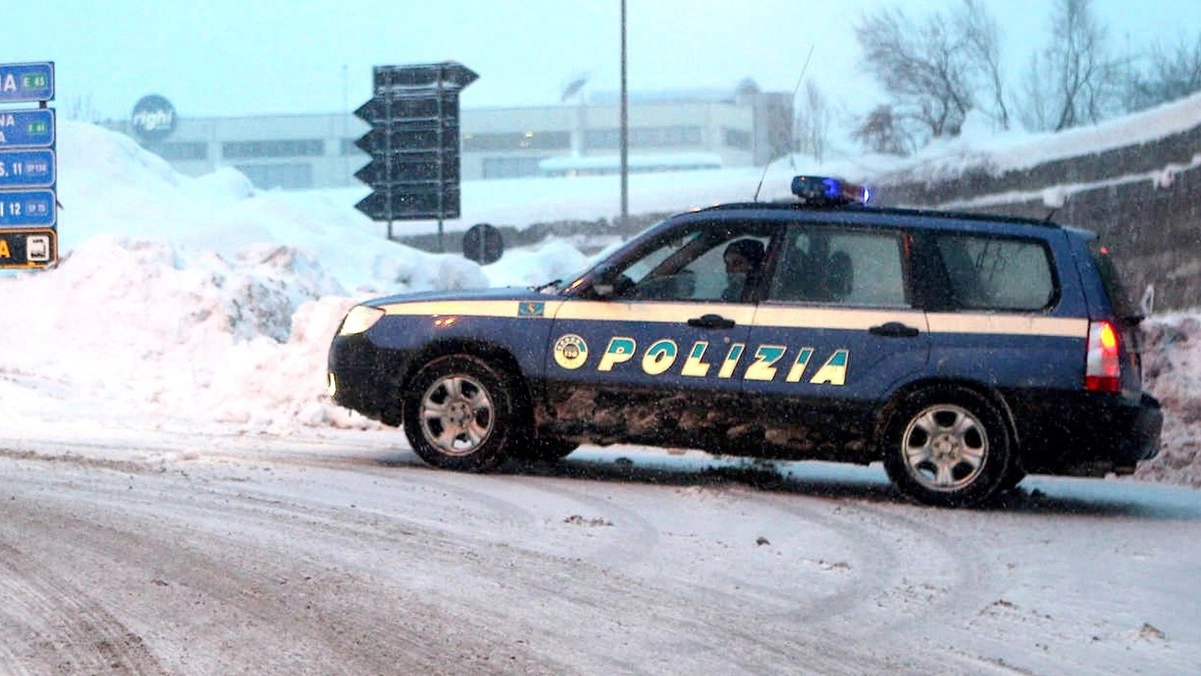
(340, 553)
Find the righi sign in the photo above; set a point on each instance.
(153, 118)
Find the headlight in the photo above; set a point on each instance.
(359, 319)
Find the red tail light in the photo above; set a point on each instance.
(1103, 368)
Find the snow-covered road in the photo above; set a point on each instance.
(338, 552)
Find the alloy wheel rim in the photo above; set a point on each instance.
(457, 415)
(945, 448)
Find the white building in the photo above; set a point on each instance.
(668, 131)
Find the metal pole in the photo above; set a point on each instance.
(389, 169)
(345, 130)
(441, 155)
(625, 127)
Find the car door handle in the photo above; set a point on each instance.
(894, 330)
(711, 321)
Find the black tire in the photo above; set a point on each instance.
(947, 446)
(546, 449)
(1015, 477)
(462, 414)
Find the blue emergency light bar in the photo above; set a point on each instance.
(826, 191)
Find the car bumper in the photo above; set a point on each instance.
(364, 378)
(1088, 434)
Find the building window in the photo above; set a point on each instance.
(349, 148)
(275, 148)
(511, 167)
(644, 137)
(665, 137)
(282, 176)
(173, 152)
(737, 138)
(542, 140)
(602, 139)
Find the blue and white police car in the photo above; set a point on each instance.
(963, 351)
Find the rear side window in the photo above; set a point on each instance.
(991, 273)
(842, 267)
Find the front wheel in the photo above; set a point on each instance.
(459, 414)
(947, 446)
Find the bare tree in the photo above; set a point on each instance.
(1073, 81)
(981, 39)
(1171, 74)
(882, 132)
(813, 120)
(936, 71)
(80, 108)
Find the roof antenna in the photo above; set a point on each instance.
(795, 89)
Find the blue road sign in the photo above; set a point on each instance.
(27, 128)
(27, 208)
(32, 168)
(26, 82)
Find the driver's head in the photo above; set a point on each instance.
(743, 256)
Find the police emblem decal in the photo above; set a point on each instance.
(571, 351)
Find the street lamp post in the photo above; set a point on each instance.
(625, 127)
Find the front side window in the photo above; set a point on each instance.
(715, 263)
(990, 273)
(822, 264)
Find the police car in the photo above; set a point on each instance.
(963, 351)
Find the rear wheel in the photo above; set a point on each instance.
(948, 446)
(461, 414)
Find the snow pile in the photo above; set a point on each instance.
(181, 299)
(153, 329)
(1172, 372)
(981, 147)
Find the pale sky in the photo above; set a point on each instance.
(240, 57)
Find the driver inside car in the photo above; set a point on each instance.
(743, 258)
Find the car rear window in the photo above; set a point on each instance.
(1123, 305)
(993, 273)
